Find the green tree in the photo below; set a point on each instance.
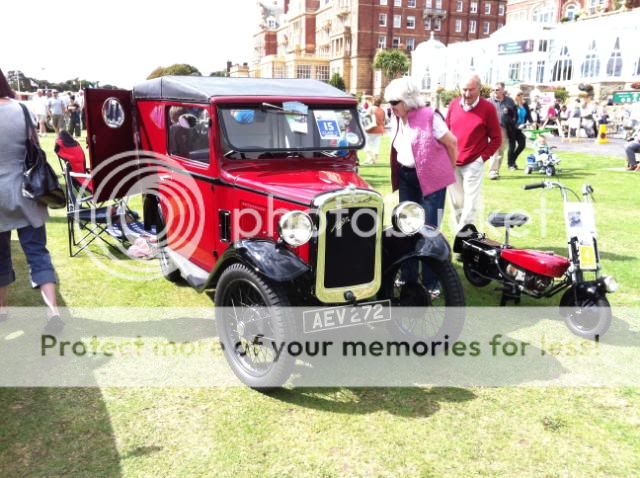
(181, 69)
(337, 82)
(561, 94)
(393, 63)
(218, 73)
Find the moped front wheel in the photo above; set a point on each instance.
(587, 317)
(434, 310)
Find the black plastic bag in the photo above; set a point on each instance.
(39, 181)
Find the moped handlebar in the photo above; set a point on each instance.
(535, 185)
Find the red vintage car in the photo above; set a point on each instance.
(257, 197)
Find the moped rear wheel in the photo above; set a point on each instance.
(473, 277)
(435, 311)
(588, 317)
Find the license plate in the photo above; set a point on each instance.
(587, 254)
(329, 318)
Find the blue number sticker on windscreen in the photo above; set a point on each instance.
(327, 123)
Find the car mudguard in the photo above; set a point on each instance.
(267, 258)
(427, 242)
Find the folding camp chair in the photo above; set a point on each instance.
(86, 219)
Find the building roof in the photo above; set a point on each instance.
(203, 88)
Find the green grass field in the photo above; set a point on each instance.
(510, 431)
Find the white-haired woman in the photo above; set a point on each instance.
(423, 150)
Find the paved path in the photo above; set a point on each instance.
(615, 146)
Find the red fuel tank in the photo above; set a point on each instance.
(538, 262)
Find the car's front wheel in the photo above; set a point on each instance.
(435, 306)
(253, 326)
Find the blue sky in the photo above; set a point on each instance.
(122, 43)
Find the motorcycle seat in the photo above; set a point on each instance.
(507, 219)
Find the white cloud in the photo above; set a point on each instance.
(121, 42)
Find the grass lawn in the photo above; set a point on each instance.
(551, 432)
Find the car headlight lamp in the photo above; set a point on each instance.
(295, 228)
(408, 217)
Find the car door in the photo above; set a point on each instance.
(110, 136)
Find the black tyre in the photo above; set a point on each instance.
(168, 268)
(252, 324)
(550, 171)
(528, 170)
(437, 313)
(589, 317)
(473, 277)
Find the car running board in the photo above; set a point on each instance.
(194, 275)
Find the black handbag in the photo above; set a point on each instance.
(39, 181)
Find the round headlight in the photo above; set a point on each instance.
(295, 228)
(610, 284)
(408, 217)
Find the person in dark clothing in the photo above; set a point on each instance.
(507, 113)
(522, 119)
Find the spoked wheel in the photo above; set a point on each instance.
(436, 308)
(473, 277)
(253, 327)
(587, 317)
(550, 171)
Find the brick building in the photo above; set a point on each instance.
(316, 38)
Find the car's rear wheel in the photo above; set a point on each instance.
(253, 325)
(436, 310)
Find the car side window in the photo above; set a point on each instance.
(188, 131)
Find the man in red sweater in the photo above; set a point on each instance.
(474, 122)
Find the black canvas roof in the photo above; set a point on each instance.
(202, 88)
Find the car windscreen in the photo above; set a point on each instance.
(293, 128)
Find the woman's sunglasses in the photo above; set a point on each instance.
(394, 102)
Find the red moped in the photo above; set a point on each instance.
(539, 274)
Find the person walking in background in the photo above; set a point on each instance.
(631, 150)
(39, 108)
(56, 111)
(80, 101)
(74, 116)
(506, 110)
(374, 135)
(474, 122)
(423, 150)
(24, 215)
(523, 117)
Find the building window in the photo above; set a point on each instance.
(278, 71)
(322, 72)
(382, 42)
(473, 7)
(411, 44)
(397, 21)
(459, 5)
(411, 22)
(527, 71)
(397, 3)
(614, 65)
(543, 45)
(439, 4)
(428, 3)
(501, 10)
(514, 71)
(411, 3)
(426, 80)
(487, 9)
(395, 43)
(303, 71)
(437, 24)
(472, 26)
(591, 64)
(383, 2)
(485, 28)
(544, 14)
(540, 71)
(563, 68)
(382, 19)
(458, 25)
(427, 23)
